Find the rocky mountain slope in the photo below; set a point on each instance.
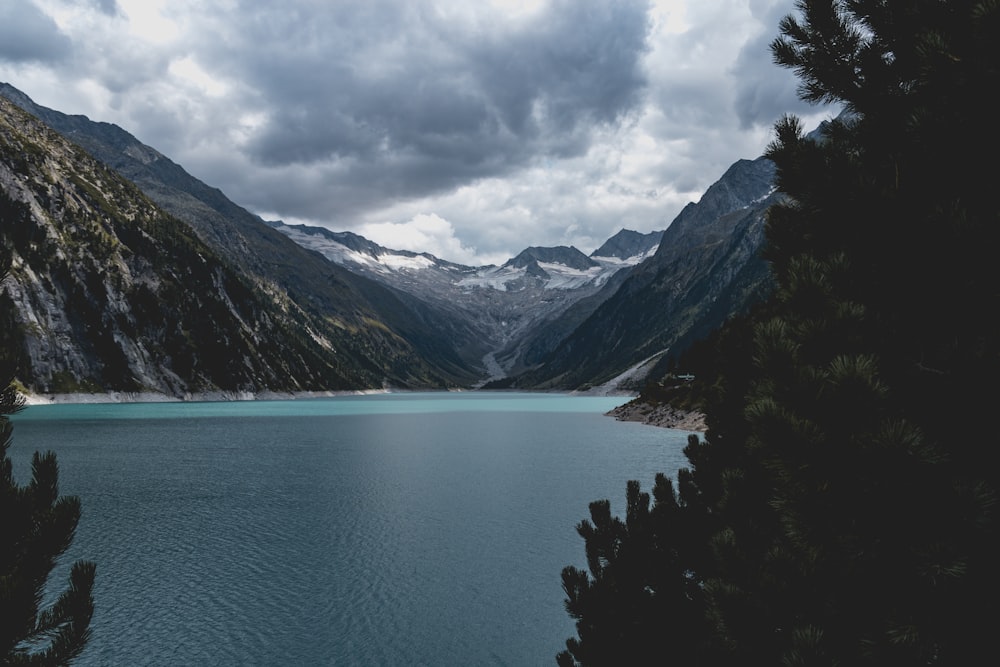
(116, 294)
(379, 330)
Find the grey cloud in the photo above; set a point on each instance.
(106, 7)
(360, 111)
(109, 7)
(417, 103)
(764, 92)
(29, 35)
(579, 63)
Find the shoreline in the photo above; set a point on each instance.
(228, 396)
(196, 397)
(661, 415)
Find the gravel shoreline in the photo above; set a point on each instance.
(662, 415)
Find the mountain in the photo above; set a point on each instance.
(627, 244)
(549, 318)
(554, 318)
(115, 293)
(706, 269)
(494, 314)
(570, 258)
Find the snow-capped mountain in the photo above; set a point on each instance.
(558, 267)
(561, 267)
(499, 305)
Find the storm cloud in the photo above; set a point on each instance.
(29, 35)
(477, 128)
(394, 100)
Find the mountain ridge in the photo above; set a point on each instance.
(493, 307)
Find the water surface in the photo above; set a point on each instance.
(385, 529)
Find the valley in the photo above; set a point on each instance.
(358, 316)
(502, 307)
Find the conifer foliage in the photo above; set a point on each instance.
(842, 508)
(36, 527)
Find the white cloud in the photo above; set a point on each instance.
(475, 128)
(149, 20)
(423, 233)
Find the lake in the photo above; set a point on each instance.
(389, 529)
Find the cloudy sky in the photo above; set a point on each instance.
(470, 130)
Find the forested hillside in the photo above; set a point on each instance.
(842, 507)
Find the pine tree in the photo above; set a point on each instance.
(846, 491)
(869, 420)
(642, 580)
(36, 527)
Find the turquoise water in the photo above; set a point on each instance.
(360, 404)
(378, 530)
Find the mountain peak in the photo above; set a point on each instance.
(569, 256)
(627, 244)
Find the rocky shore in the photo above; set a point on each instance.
(660, 414)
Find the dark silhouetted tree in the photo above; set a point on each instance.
(844, 500)
(640, 578)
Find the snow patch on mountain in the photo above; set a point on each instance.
(405, 263)
(631, 260)
(513, 276)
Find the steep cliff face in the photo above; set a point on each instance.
(115, 294)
